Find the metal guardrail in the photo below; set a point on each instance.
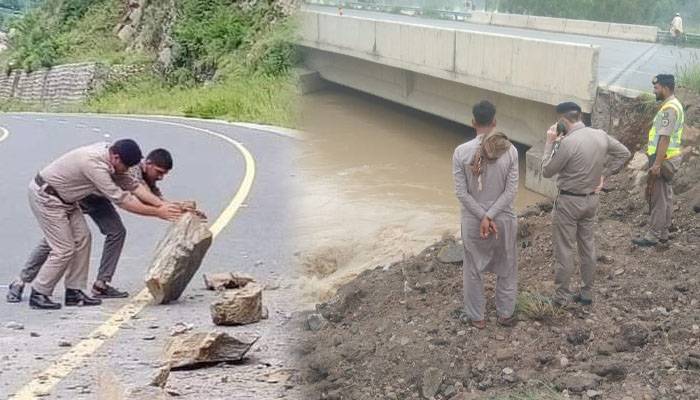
(395, 9)
(688, 39)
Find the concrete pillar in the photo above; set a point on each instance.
(533, 173)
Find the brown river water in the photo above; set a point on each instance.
(378, 185)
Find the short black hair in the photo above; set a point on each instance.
(484, 112)
(567, 106)
(161, 158)
(128, 151)
(666, 80)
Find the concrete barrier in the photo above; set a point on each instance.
(346, 32)
(582, 27)
(481, 17)
(513, 20)
(645, 33)
(428, 47)
(533, 174)
(510, 65)
(642, 33)
(524, 67)
(309, 26)
(415, 44)
(546, 23)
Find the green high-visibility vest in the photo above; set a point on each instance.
(674, 146)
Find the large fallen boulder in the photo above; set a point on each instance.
(200, 349)
(177, 257)
(238, 306)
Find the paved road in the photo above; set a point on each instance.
(623, 63)
(208, 169)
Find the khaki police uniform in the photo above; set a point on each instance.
(667, 122)
(53, 197)
(101, 210)
(580, 159)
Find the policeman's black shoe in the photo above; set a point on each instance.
(108, 292)
(584, 302)
(40, 301)
(14, 292)
(76, 297)
(644, 242)
(696, 208)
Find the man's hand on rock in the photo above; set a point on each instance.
(169, 212)
(189, 206)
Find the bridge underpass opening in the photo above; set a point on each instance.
(524, 121)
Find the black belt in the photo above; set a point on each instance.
(48, 189)
(567, 193)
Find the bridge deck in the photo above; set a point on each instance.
(623, 63)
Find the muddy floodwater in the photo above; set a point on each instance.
(377, 185)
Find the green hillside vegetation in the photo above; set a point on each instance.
(228, 61)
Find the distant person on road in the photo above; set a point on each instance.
(54, 197)
(583, 158)
(664, 153)
(677, 29)
(141, 180)
(485, 171)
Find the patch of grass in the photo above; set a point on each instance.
(689, 77)
(63, 31)
(248, 98)
(647, 105)
(537, 307)
(231, 61)
(14, 105)
(92, 38)
(17, 106)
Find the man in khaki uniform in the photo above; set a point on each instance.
(582, 157)
(664, 152)
(485, 172)
(53, 197)
(141, 180)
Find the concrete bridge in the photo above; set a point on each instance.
(443, 67)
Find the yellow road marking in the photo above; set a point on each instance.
(4, 133)
(50, 377)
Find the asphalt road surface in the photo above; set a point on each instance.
(256, 241)
(623, 63)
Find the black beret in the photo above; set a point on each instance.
(664, 80)
(567, 106)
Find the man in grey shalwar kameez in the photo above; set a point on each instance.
(486, 181)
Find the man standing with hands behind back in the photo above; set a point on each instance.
(485, 171)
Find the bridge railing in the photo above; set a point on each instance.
(399, 7)
(688, 39)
